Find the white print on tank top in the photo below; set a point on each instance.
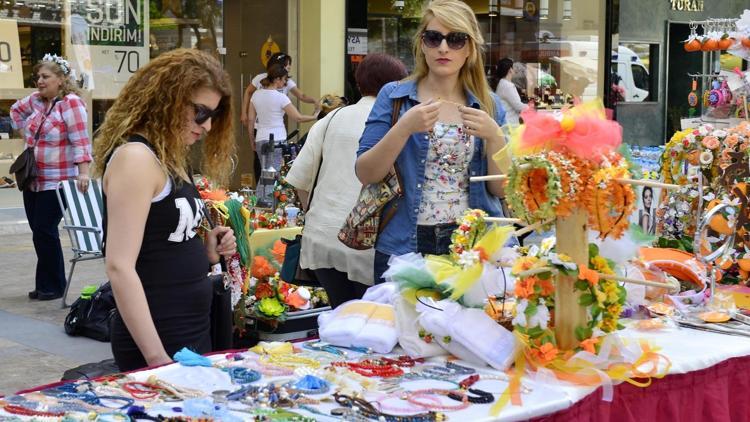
(188, 221)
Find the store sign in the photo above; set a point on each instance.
(356, 41)
(108, 41)
(11, 72)
(687, 5)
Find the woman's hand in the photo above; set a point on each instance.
(420, 118)
(82, 182)
(480, 124)
(220, 241)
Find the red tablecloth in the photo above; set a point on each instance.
(720, 393)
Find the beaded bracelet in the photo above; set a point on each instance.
(242, 375)
(479, 396)
(416, 408)
(289, 360)
(368, 410)
(458, 369)
(414, 396)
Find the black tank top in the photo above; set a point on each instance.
(171, 249)
(173, 267)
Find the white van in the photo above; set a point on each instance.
(633, 74)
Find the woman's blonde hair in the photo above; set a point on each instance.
(458, 17)
(154, 103)
(68, 85)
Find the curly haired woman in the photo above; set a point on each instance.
(157, 265)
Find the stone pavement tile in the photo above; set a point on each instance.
(17, 267)
(24, 367)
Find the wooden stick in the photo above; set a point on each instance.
(539, 270)
(486, 178)
(651, 183)
(532, 227)
(669, 287)
(503, 220)
(639, 182)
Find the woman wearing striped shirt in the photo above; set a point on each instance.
(54, 121)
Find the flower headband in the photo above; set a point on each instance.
(64, 64)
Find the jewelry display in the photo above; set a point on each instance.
(420, 398)
(369, 411)
(289, 360)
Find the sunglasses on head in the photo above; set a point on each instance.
(203, 113)
(456, 40)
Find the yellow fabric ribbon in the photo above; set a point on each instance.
(459, 279)
(582, 372)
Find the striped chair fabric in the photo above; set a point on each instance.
(83, 221)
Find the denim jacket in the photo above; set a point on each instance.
(400, 235)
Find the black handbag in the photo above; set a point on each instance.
(24, 167)
(91, 316)
(291, 271)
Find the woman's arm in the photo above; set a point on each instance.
(251, 125)
(302, 96)
(75, 116)
(294, 114)
(372, 165)
(131, 180)
(479, 124)
(246, 104)
(20, 111)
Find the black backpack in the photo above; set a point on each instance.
(91, 317)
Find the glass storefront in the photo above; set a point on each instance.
(556, 47)
(106, 41)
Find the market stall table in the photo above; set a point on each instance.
(708, 375)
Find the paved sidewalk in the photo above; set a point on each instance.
(34, 348)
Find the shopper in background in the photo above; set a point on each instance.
(448, 130)
(157, 265)
(270, 106)
(53, 120)
(507, 91)
(328, 158)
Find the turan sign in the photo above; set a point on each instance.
(687, 5)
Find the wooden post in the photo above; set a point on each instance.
(572, 240)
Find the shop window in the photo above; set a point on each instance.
(635, 72)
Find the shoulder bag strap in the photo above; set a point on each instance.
(39, 129)
(395, 113)
(320, 165)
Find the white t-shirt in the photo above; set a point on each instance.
(285, 90)
(510, 100)
(269, 108)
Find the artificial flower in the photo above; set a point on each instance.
(545, 354)
(270, 307)
(520, 318)
(540, 318)
(589, 344)
(548, 288)
(710, 142)
(278, 251)
(706, 158)
(523, 263)
(525, 287)
(264, 290)
(261, 268)
(589, 275)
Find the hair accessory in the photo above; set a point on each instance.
(60, 61)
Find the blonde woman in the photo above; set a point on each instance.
(157, 265)
(53, 121)
(448, 130)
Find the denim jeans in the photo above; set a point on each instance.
(431, 240)
(44, 214)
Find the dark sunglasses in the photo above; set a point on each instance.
(203, 113)
(456, 40)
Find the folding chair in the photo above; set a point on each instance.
(83, 221)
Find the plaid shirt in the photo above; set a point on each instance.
(63, 138)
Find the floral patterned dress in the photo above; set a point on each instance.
(445, 194)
